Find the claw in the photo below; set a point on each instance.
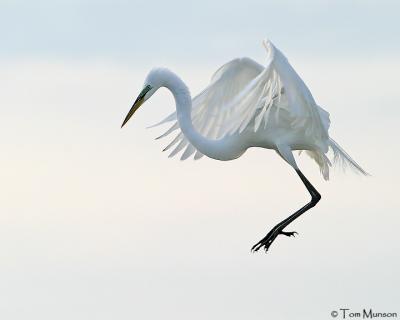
(269, 239)
(288, 234)
(256, 247)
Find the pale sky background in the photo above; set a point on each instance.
(97, 222)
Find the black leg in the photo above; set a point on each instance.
(278, 229)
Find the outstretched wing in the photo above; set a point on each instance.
(242, 94)
(210, 111)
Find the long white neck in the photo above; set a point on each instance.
(216, 149)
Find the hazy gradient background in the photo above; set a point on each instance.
(97, 223)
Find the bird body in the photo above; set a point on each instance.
(247, 105)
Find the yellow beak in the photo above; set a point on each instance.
(138, 102)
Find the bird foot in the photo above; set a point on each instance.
(289, 233)
(269, 238)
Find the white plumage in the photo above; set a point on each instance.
(247, 105)
(243, 96)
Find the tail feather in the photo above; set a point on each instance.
(323, 162)
(341, 158)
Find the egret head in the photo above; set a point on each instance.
(153, 82)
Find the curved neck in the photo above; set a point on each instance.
(216, 149)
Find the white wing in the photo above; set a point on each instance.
(242, 94)
(210, 115)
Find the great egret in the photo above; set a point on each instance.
(248, 105)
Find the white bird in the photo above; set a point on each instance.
(248, 105)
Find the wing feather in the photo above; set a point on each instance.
(242, 95)
(209, 116)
